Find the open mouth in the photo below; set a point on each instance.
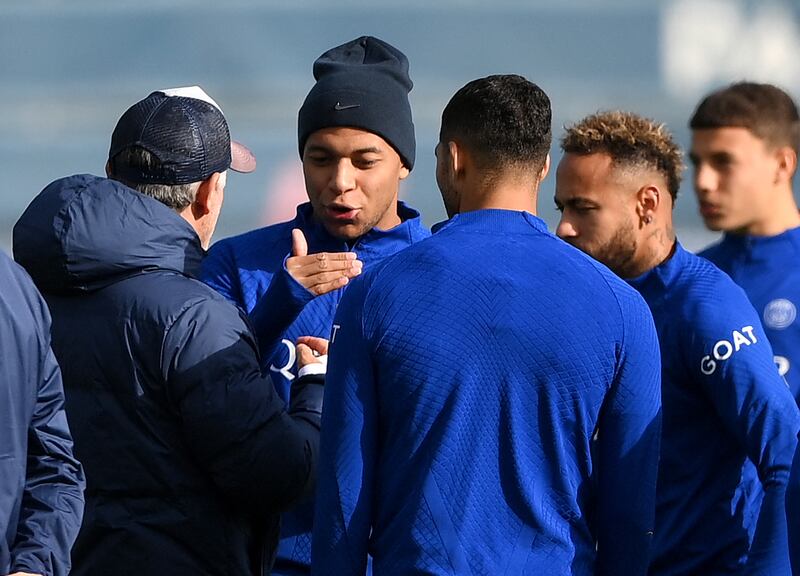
(341, 212)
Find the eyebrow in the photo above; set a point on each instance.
(694, 158)
(574, 200)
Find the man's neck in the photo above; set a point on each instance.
(783, 215)
(657, 247)
(520, 198)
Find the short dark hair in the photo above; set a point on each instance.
(629, 139)
(763, 109)
(505, 120)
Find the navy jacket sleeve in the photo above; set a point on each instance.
(259, 454)
(52, 499)
(734, 364)
(277, 309)
(628, 443)
(343, 514)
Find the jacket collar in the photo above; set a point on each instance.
(376, 243)
(493, 219)
(84, 232)
(658, 280)
(759, 248)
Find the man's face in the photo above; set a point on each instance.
(444, 179)
(733, 174)
(352, 179)
(598, 213)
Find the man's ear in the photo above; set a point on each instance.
(786, 159)
(202, 200)
(648, 200)
(108, 169)
(456, 157)
(545, 169)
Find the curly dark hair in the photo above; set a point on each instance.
(629, 139)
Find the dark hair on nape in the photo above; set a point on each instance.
(504, 120)
(763, 109)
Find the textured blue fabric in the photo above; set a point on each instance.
(249, 270)
(768, 269)
(725, 410)
(189, 453)
(468, 378)
(41, 483)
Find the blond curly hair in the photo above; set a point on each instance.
(630, 140)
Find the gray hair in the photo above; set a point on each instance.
(176, 196)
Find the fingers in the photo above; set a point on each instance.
(299, 244)
(324, 272)
(309, 355)
(318, 345)
(323, 260)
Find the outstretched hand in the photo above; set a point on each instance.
(322, 272)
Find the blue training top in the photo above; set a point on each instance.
(768, 269)
(468, 377)
(249, 270)
(726, 409)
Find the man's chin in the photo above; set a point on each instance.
(346, 231)
(716, 224)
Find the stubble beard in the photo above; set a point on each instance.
(619, 252)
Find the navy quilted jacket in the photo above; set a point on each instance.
(41, 483)
(189, 453)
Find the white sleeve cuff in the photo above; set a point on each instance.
(316, 368)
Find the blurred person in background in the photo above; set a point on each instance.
(745, 141)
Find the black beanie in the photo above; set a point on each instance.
(363, 84)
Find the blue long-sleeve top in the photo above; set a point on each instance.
(726, 410)
(249, 270)
(468, 377)
(768, 269)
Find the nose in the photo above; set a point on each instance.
(565, 228)
(344, 177)
(705, 179)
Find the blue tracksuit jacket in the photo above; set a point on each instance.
(768, 269)
(492, 407)
(41, 483)
(249, 271)
(726, 410)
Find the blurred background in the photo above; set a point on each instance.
(69, 69)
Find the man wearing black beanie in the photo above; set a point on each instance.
(356, 141)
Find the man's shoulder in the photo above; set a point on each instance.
(708, 298)
(718, 254)
(169, 295)
(260, 244)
